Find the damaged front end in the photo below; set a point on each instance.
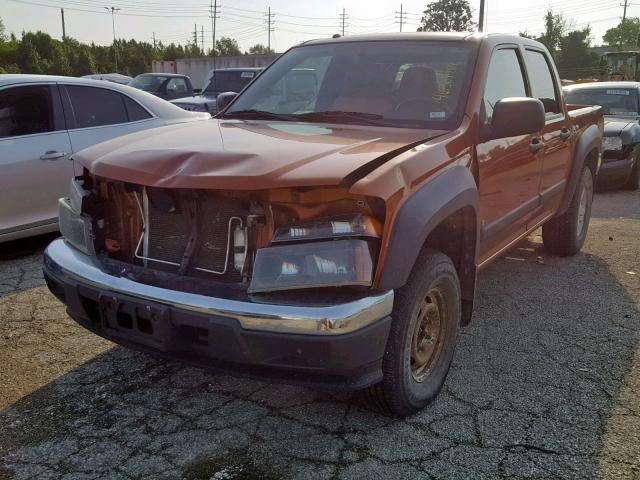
(266, 243)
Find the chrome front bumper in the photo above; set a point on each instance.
(66, 263)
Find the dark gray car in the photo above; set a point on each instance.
(218, 81)
(167, 86)
(620, 102)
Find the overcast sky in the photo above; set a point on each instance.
(245, 20)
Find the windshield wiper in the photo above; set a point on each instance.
(368, 118)
(258, 115)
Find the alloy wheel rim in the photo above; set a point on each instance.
(428, 335)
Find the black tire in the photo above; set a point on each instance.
(634, 179)
(432, 295)
(565, 235)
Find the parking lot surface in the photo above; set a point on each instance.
(545, 384)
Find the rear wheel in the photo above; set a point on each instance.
(425, 324)
(565, 235)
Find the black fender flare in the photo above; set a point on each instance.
(589, 140)
(448, 192)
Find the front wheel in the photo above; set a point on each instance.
(634, 179)
(425, 323)
(565, 235)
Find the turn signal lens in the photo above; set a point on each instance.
(357, 225)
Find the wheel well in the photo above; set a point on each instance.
(456, 237)
(592, 161)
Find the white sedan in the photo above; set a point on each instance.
(43, 120)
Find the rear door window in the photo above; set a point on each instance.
(134, 111)
(505, 79)
(542, 84)
(95, 107)
(26, 110)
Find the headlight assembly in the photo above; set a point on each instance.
(612, 143)
(310, 265)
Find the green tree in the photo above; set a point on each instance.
(447, 16)
(59, 63)
(259, 49)
(3, 32)
(625, 35)
(227, 47)
(555, 28)
(574, 58)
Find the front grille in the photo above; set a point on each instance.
(171, 215)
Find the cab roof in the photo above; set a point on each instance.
(472, 37)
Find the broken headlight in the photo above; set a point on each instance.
(76, 227)
(611, 143)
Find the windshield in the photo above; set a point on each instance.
(235, 81)
(388, 83)
(618, 101)
(148, 83)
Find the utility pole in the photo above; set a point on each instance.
(481, 19)
(343, 18)
(213, 14)
(401, 17)
(154, 41)
(269, 27)
(202, 37)
(64, 31)
(113, 11)
(195, 35)
(624, 15)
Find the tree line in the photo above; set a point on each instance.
(39, 53)
(571, 48)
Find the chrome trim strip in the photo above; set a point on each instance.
(67, 263)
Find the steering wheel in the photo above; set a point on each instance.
(417, 104)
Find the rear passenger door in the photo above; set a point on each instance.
(509, 168)
(34, 156)
(96, 114)
(556, 133)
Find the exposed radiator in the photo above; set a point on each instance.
(169, 217)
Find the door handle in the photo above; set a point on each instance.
(52, 155)
(565, 133)
(535, 146)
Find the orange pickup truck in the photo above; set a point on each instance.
(330, 232)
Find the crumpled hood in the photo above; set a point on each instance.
(242, 155)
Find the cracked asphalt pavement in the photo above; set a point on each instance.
(544, 384)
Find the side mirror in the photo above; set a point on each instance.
(515, 116)
(224, 99)
(197, 91)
